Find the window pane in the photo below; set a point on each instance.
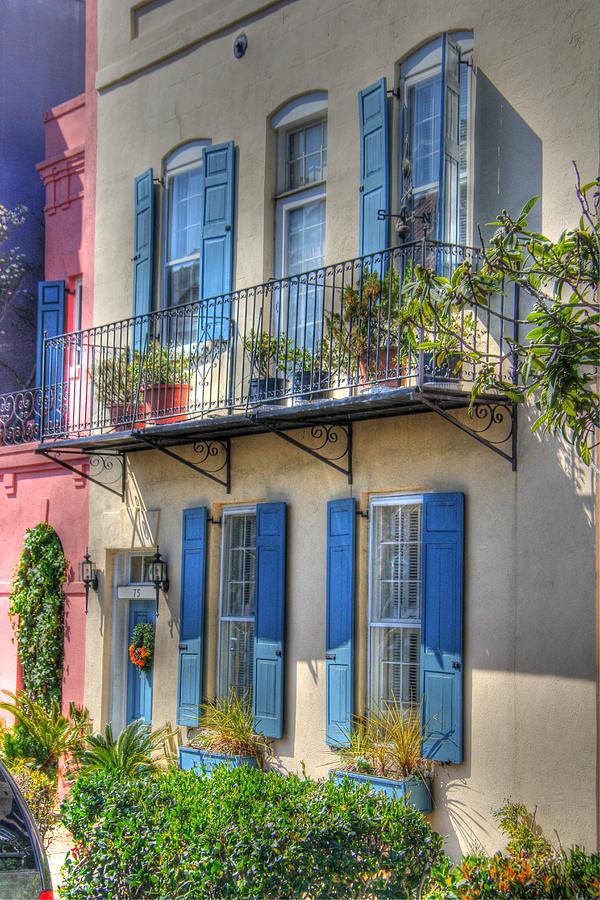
(237, 657)
(395, 665)
(305, 237)
(425, 111)
(185, 214)
(183, 283)
(240, 565)
(18, 871)
(396, 562)
(307, 155)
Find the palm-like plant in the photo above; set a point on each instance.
(387, 741)
(137, 750)
(48, 733)
(227, 726)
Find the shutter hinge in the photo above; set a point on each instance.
(330, 656)
(456, 664)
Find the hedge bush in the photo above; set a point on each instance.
(240, 833)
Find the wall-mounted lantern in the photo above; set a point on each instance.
(88, 574)
(158, 571)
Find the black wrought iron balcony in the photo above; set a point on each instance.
(332, 336)
(20, 417)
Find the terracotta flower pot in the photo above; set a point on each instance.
(167, 403)
(382, 369)
(121, 415)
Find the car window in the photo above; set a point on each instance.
(19, 876)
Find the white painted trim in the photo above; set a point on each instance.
(299, 109)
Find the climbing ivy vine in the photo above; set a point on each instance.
(38, 601)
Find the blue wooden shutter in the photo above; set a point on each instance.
(442, 624)
(143, 250)
(50, 320)
(269, 619)
(217, 240)
(193, 573)
(374, 167)
(339, 635)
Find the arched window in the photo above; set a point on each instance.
(435, 91)
(183, 233)
(301, 129)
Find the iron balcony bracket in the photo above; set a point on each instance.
(109, 468)
(213, 456)
(493, 423)
(331, 443)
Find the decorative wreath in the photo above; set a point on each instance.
(141, 647)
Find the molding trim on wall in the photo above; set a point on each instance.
(185, 31)
(62, 178)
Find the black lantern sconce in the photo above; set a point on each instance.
(88, 574)
(158, 574)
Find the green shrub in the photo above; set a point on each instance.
(39, 789)
(530, 866)
(240, 833)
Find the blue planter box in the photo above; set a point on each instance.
(191, 758)
(416, 791)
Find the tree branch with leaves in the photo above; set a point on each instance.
(555, 356)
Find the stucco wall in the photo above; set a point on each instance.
(530, 714)
(34, 490)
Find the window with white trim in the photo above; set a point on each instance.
(436, 85)
(139, 569)
(237, 602)
(301, 128)
(395, 600)
(183, 233)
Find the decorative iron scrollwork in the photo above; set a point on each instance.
(491, 422)
(329, 443)
(20, 413)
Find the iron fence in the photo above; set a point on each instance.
(20, 416)
(337, 331)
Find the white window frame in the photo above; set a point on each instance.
(375, 501)
(421, 65)
(183, 159)
(228, 512)
(130, 558)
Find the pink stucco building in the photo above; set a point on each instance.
(34, 488)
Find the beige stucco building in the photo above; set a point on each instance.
(484, 105)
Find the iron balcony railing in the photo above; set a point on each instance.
(333, 332)
(21, 416)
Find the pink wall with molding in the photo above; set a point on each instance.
(32, 488)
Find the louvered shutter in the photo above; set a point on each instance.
(442, 626)
(269, 625)
(374, 167)
(339, 633)
(217, 241)
(191, 629)
(449, 193)
(143, 256)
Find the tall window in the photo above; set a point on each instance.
(300, 214)
(435, 90)
(236, 617)
(183, 194)
(395, 600)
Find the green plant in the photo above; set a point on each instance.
(141, 645)
(242, 833)
(40, 736)
(227, 726)
(37, 609)
(557, 354)
(39, 790)
(123, 378)
(370, 325)
(530, 866)
(268, 353)
(386, 742)
(137, 750)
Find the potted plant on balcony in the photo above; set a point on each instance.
(226, 736)
(116, 379)
(270, 357)
(165, 376)
(367, 338)
(307, 373)
(447, 346)
(384, 751)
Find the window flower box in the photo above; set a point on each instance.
(416, 791)
(206, 761)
